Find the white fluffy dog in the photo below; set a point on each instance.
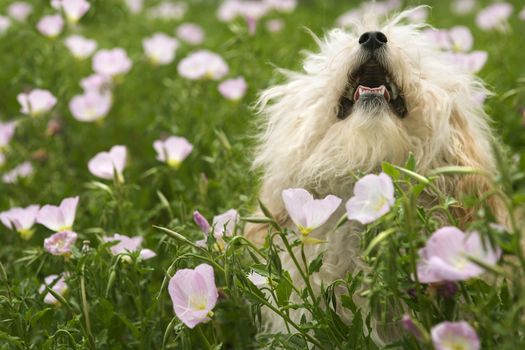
(372, 94)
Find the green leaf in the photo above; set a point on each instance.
(316, 264)
(390, 170)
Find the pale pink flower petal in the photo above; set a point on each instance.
(59, 218)
(146, 254)
(73, 9)
(21, 220)
(22, 170)
(97, 83)
(522, 14)
(7, 130)
(19, 10)
(201, 221)
(194, 294)
(306, 212)
(111, 62)
(455, 335)
(190, 33)
(494, 16)
(60, 243)
(173, 150)
(60, 287)
(439, 39)
(224, 224)
(36, 102)
(5, 23)
(106, 164)
(80, 47)
(373, 197)
(50, 26)
(274, 25)
(462, 7)
(160, 48)
(281, 5)
(167, 10)
(202, 64)
(91, 106)
(135, 6)
(470, 62)
(461, 38)
(127, 244)
(233, 89)
(445, 256)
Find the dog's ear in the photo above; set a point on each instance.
(472, 146)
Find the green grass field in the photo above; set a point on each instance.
(113, 304)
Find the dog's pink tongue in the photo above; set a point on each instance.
(361, 90)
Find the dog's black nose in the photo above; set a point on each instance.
(372, 40)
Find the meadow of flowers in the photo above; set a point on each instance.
(126, 133)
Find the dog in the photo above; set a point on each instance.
(375, 93)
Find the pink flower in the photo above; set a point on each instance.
(410, 326)
(462, 7)
(168, 11)
(233, 89)
(202, 64)
(306, 212)
(282, 5)
(91, 106)
(5, 23)
(201, 221)
(80, 47)
(160, 48)
(470, 62)
(494, 16)
(135, 6)
(173, 150)
(191, 33)
(60, 243)
(454, 336)
(194, 294)
(73, 9)
(224, 224)
(59, 218)
(111, 62)
(108, 164)
(60, 287)
(445, 256)
(274, 25)
(21, 220)
(7, 131)
(373, 197)
(230, 9)
(126, 245)
(439, 39)
(50, 26)
(461, 39)
(96, 83)
(36, 102)
(19, 10)
(22, 170)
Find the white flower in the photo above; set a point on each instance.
(373, 197)
(80, 47)
(160, 48)
(306, 212)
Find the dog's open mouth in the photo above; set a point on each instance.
(371, 83)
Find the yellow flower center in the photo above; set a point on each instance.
(26, 234)
(174, 163)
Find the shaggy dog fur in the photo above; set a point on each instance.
(316, 137)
